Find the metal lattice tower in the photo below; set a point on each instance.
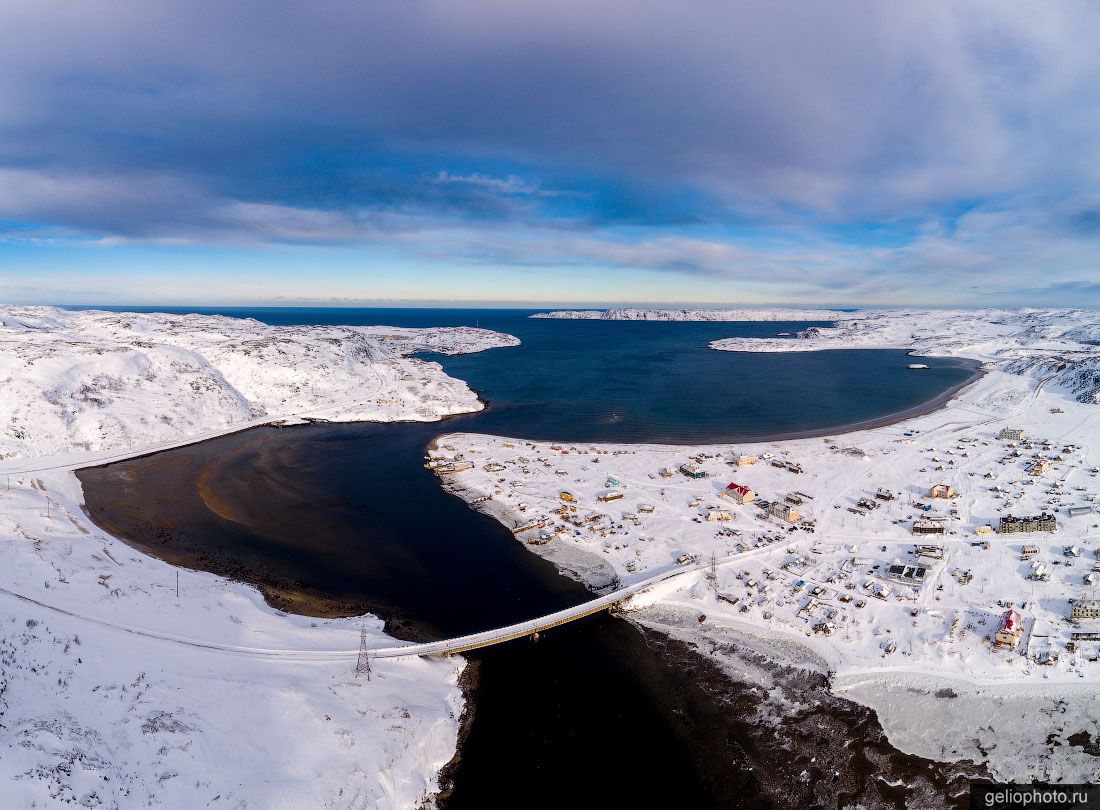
(362, 666)
(712, 574)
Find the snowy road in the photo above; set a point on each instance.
(450, 646)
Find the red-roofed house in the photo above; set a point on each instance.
(739, 493)
(1010, 630)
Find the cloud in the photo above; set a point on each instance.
(502, 185)
(695, 138)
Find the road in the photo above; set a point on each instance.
(451, 646)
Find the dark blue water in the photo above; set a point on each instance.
(647, 381)
(341, 519)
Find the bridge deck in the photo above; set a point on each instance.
(487, 638)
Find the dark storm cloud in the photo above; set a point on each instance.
(804, 103)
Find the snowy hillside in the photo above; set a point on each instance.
(88, 381)
(1059, 347)
(118, 691)
(736, 314)
(115, 692)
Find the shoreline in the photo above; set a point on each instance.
(940, 401)
(283, 597)
(286, 422)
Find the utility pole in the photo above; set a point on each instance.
(362, 666)
(177, 584)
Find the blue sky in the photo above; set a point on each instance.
(849, 153)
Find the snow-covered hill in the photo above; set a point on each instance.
(88, 381)
(1060, 347)
(115, 690)
(735, 314)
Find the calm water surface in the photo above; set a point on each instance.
(340, 519)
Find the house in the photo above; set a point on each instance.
(929, 525)
(666, 472)
(930, 552)
(693, 471)
(738, 493)
(1011, 435)
(1043, 522)
(526, 527)
(783, 511)
(645, 508)
(1039, 572)
(744, 460)
(454, 467)
(566, 496)
(1009, 630)
(984, 529)
(1071, 551)
(1038, 467)
(1029, 551)
(1078, 511)
(942, 491)
(884, 494)
(607, 497)
(719, 514)
(1085, 609)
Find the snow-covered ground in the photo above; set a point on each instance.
(820, 589)
(737, 314)
(117, 692)
(1057, 346)
(93, 381)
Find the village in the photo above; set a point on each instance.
(970, 548)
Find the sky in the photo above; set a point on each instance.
(341, 152)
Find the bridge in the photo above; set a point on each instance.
(487, 638)
(451, 646)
